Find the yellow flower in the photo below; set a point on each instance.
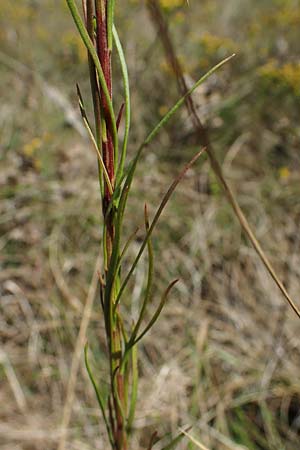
(284, 173)
(31, 147)
(172, 4)
(212, 43)
(163, 110)
(287, 75)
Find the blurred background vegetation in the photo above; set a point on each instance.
(225, 355)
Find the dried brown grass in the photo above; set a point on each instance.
(225, 341)
(225, 345)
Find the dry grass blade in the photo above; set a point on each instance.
(222, 439)
(67, 412)
(194, 441)
(13, 381)
(174, 443)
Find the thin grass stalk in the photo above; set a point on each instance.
(104, 16)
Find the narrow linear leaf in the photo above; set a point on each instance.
(132, 167)
(180, 102)
(123, 252)
(87, 125)
(120, 114)
(155, 220)
(110, 21)
(128, 175)
(115, 264)
(127, 243)
(98, 395)
(134, 387)
(149, 281)
(133, 341)
(157, 312)
(111, 273)
(127, 101)
(112, 270)
(94, 86)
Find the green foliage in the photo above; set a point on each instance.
(122, 353)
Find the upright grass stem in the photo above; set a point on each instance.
(100, 36)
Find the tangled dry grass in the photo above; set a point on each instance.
(225, 355)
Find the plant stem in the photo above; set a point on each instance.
(101, 37)
(99, 34)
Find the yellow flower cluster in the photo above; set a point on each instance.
(212, 43)
(31, 147)
(284, 173)
(286, 75)
(289, 16)
(285, 16)
(172, 4)
(31, 151)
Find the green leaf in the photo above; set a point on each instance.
(127, 102)
(134, 387)
(116, 270)
(89, 10)
(157, 313)
(180, 102)
(132, 167)
(100, 400)
(122, 193)
(155, 220)
(87, 125)
(110, 22)
(149, 281)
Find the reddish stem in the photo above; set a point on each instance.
(105, 59)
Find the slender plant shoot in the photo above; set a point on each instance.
(100, 37)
